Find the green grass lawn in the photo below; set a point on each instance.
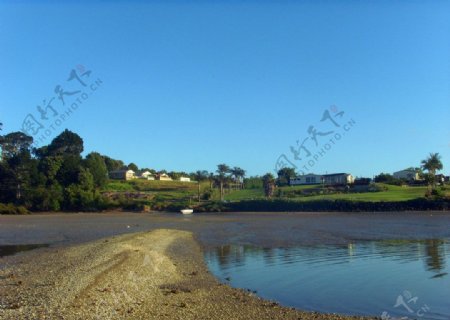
(244, 194)
(393, 193)
(175, 190)
(163, 190)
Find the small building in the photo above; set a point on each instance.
(147, 175)
(163, 177)
(407, 174)
(185, 179)
(440, 178)
(330, 179)
(310, 178)
(122, 175)
(338, 178)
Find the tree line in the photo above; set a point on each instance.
(57, 176)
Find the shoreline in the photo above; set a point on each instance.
(159, 274)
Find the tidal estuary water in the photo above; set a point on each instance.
(393, 279)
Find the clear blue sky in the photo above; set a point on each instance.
(188, 86)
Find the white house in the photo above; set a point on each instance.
(163, 177)
(147, 175)
(122, 174)
(407, 174)
(334, 178)
(310, 178)
(338, 178)
(185, 179)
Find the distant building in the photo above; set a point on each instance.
(338, 178)
(163, 177)
(440, 178)
(147, 175)
(333, 179)
(185, 179)
(122, 174)
(407, 174)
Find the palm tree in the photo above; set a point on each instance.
(222, 171)
(238, 175)
(269, 184)
(432, 164)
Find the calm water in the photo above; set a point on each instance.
(399, 278)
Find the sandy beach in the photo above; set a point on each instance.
(105, 266)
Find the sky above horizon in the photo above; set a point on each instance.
(183, 87)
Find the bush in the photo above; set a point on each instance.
(337, 205)
(12, 209)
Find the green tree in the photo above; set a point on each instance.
(81, 195)
(269, 184)
(222, 172)
(113, 164)
(238, 174)
(69, 146)
(285, 175)
(16, 158)
(66, 143)
(14, 144)
(97, 167)
(200, 175)
(133, 167)
(432, 164)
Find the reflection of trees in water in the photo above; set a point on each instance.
(435, 254)
(432, 251)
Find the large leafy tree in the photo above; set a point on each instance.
(97, 167)
(16, 164)
(432, 164)
(113, 164)
(15, 143)
(133, 166)
(81, 195)
(66, 143)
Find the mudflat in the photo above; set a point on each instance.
(150, 266)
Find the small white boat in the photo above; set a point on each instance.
(187, 211)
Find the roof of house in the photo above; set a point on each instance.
(336, 174)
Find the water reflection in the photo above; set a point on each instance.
(432, 252)
(361, 278)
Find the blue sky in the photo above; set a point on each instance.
(189, 86)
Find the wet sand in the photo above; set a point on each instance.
(150, 266)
